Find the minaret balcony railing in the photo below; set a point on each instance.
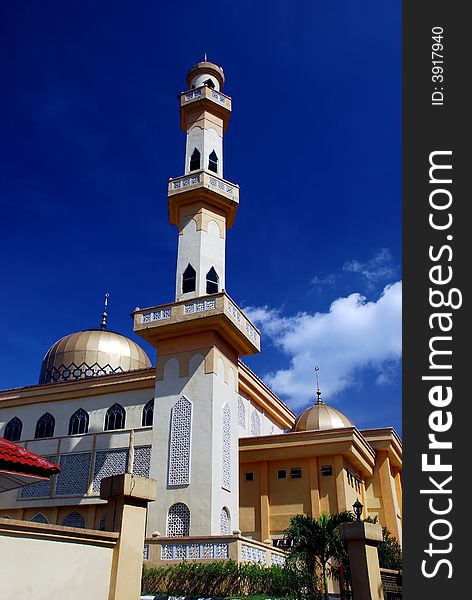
(217, 311)
(206, 180)
(207, 93)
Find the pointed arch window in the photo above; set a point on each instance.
(74, 519)
(45, 426)
(13, 430)
(212, 281)
(209, 82)
(79, 422)
(195, 160)
(148, 413)
(189, 280)
(39, 518)
(225, 521)
(213, 162)
(115, 418)
(178, 520)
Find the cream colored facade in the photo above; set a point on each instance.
(227, 454)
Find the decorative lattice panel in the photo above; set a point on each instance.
(225, 526)
(252, 554)
(226, 448)
(72, 371)
(241, 413)
(178, 520)
(194, 551)
(74, 519)
(41, 489)
(107, 463)
(180, 438)
(142, 461)
(255, 423)
(39, 518)
(74, 475)
(278, 560)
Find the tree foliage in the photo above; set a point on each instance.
(312, 544)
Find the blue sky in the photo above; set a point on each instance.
(90, 134)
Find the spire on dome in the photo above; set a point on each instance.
(103, 324)
(318, 391)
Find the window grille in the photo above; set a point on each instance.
(102, 524)
(212, 281)
(213, 162)
(189, 279)
(226, 450)
(142, 461)
(74, 519)
(107, 463)
(195, 160)
(42, 489)
(178, 520)
(180, 441)
(79, 422)
(74, 475)
(148, 413)
(39, 518)
(115, 418)
(13, 430)
(225, 523)
(255, 423)
(241, 413)
(45, 426)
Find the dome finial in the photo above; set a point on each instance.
(318, 391)
(205, 59)
(103, 324)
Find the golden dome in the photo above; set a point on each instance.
(91, 353)
(321, 416)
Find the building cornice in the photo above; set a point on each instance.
(387, 439)
(347, 441)
(89, 386)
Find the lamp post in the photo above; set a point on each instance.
(357, 506)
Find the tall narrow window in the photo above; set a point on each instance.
(189, 279)
(148, 413)
(115, 417)
(212, 281)
(226, 448)
(255, 423)
(13, 430)
(45, 426)
(79, 422)
(178, 520)
(213, 162)
(180, 442)
(195, 160)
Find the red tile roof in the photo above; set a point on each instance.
(17, 459)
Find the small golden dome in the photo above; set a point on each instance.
(321, 416)
(91, 353)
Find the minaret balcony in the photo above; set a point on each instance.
(215, 312)
(204, 98)
(205, 187)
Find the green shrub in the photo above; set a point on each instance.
(221, 579)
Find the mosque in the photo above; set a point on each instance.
(229, 457)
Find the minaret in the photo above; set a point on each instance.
(201, 203)
(200, 336)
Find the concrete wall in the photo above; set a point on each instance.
(44, 561)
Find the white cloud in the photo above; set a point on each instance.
(353, 335)
(377, 268)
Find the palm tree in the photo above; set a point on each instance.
(316, 541)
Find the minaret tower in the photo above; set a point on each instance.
(200, 336)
